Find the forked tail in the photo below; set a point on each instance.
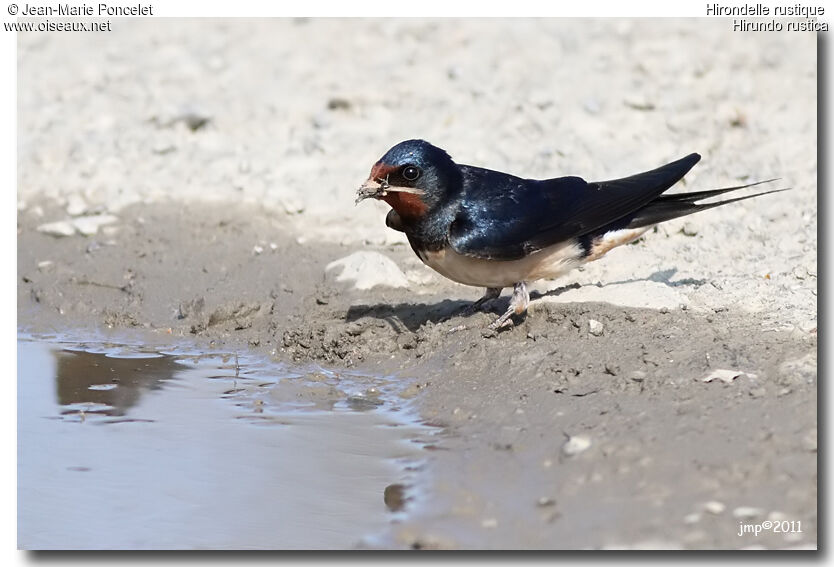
(668, 207)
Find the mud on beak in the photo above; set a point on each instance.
(371, 188)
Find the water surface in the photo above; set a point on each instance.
(125, 449)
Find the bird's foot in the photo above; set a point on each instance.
(518, 305)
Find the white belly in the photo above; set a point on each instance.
(550, 262)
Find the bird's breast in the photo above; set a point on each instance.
(550, 262)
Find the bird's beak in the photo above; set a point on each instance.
(371, 188)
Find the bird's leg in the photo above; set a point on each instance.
(490, 294)
(518, 305)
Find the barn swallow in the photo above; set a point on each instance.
(490, 229)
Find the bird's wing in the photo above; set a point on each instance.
(504, 218)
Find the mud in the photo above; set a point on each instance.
(662, 442)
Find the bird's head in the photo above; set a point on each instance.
(413, 177)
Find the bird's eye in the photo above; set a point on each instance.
(410, 173)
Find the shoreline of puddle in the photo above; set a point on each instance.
(208, 450)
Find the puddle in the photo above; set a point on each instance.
(124, 449)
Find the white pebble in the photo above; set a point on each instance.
(714, 507)
(575, 445)
(595, 327)
(746, 512)
(368, 270)
(637, 375)
(692, 518)
(726, 376)
(89, 225)
(639, 102)
(490, 523)
(59, 228)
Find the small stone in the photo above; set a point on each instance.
(726, 376)
(395, 497)
(637, 376)
(59, 228)
(489, 523)
(692, 518)
(714, 507)
(688, 229)
(575, 444)
(595, 327)
(45, 265)
(194, 120)
(638, 102)
(368, 270)
(337, 103)
(747, 512)
(545, 501)
(89, 225)
(257, 249)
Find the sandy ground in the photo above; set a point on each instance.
(212, 166)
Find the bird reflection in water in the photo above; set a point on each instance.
(95, 383)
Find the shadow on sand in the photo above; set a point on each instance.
(412, 316)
